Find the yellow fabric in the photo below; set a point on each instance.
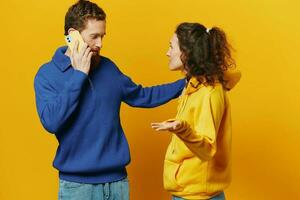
(198, 161)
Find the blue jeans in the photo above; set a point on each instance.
(218, 197)
(118, 190)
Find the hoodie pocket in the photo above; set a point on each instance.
(171, 170)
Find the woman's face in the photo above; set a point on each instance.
(174, 54)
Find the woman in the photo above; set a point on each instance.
(198, 162)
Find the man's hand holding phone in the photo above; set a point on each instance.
(81, 59)
(80, 52)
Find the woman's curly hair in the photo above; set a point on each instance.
(206, 54)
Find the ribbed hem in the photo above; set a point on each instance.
(199, 196)
(95, 178)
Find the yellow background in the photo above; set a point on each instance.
(265, 104)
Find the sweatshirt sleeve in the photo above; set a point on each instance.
(147, 97)
(55, 107)
(201, 138)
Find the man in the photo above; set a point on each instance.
(78, 98)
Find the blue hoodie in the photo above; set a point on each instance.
(83, 111)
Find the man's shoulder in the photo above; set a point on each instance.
(50, 64)
(46, 71)
(108, 63)
(45, 68)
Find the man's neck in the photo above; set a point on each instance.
(95, 61)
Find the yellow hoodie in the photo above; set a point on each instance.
(198, 160)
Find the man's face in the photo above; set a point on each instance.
(93, 34)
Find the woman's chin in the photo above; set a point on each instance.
(172, 68)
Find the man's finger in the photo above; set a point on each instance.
(90, 55)
(75, 47)
(83, 49)
(86, 53)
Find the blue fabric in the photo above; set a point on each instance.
(83, 113)
(118, 190)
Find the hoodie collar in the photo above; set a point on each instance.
(193, 86)
(61, 60)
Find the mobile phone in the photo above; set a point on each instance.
(72, 37)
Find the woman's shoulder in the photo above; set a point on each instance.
(212, 92)
(216, 88)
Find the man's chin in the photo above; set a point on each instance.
(96, 53)
(95, 59)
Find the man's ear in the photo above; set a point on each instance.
(70, 30)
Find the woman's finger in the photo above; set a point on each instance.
(161, 129)
(156, 124)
